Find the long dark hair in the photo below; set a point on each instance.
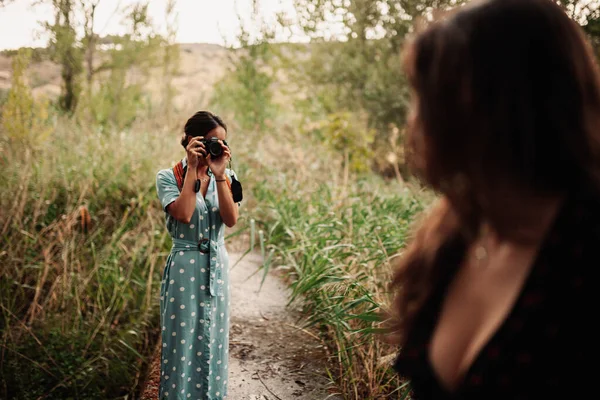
(200, 124)
(506, 100)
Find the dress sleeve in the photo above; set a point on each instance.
(166, 187)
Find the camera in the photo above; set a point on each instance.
(213, 147)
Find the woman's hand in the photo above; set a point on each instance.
(218, 165)
(227, 208)
(195, 149)
(182, 209)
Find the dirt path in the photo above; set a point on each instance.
(270, 358)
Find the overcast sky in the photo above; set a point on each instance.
(200, 21)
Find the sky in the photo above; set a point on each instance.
(199, 21)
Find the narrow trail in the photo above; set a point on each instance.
(270, 358)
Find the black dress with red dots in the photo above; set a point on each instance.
(547, 347)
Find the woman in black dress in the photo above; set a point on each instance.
(494, 296)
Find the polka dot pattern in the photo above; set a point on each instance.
(194, 301)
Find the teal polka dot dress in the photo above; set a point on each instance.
(194, 299)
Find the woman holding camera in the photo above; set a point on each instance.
(197, 198)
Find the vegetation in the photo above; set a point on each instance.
(82, 240)
(316, 132)
(246, 92)
(337, 260)
(359, 68)
(78, 310)
(23, 118)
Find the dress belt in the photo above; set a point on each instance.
(210, 247)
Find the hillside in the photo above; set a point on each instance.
(201, 66)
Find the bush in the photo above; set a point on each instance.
(24, 118)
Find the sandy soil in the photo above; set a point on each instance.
(270, 357)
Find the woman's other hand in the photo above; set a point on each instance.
(218, 165)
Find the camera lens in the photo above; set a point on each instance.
(215, 149)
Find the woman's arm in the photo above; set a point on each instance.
(227, 208)
(183, 207)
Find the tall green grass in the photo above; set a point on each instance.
(336, 253)
(335, 237)
(79, 310)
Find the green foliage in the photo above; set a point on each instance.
(64, 50)
(588, 15)
(125, 72)
(78, 316)
(171, 60)
(3, 97)
(115, 78)
(364, 70)
(347, 134)
(246, 93)
(24, 119)
(63, 361)
(360, 68)
(333, 239)
(38, 54)
(247, 90)
(117, 103)
(337, 259)
(358, 83)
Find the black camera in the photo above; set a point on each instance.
(213, 147)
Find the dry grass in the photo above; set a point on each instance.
(83, 243)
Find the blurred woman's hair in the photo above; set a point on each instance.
(506, 104)
(200, 124)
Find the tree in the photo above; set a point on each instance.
(171, 58)
(247, 90)
(587, 14)
(126, 69)
(355, 62)
(90, 38)
(65, 50)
